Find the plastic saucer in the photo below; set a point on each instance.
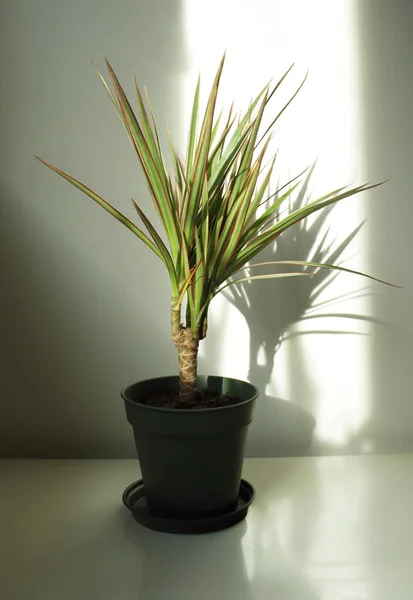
(135, 500)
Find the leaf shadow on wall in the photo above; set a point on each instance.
(280, 427)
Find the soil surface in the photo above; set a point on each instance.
(203, 399)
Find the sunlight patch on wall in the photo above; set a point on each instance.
(325, 373)
(224, 350)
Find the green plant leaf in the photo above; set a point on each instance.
(216, 207)
(108, 207)
(167, 259)
(196, 177)
(270, 276)
(306, 263)
(151, 164)
(193, 131)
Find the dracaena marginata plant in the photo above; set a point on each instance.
(215, 207)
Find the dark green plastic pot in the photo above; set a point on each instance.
(191, 460)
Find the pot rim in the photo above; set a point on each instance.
(254, 391)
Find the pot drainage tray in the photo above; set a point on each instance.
(134, 498)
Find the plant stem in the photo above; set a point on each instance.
(175, 321)
(187, 346)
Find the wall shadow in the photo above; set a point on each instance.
(80, 318)
(67, 347)
(386, 83)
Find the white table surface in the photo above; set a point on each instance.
(336, 528)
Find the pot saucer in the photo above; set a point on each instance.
(135, 500)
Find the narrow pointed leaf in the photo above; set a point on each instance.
(283, 109)
(155, 178)
(270, 276)
(108, 207)
(159, 243)
(196, 179)
(303, 263)
(193, 130)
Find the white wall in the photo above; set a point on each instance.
(85, 306)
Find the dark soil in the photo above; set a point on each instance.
(203, 399)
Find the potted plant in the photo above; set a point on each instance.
(190, 430)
